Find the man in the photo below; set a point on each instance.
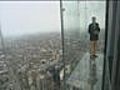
(94, 30)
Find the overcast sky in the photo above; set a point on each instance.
(18, 18)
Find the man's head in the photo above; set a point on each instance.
(93, 19)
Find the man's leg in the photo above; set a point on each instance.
(91, 47)
(95, 48)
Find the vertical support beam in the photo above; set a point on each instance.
(116, 61)
(112, 45)
(105, 46)
(62, 38)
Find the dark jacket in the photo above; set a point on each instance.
(94, 31)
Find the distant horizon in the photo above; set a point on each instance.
(41, 33)
(29, 34)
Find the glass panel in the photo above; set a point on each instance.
(32, 41)
(83, 69)
(31, 48)
(71, 33)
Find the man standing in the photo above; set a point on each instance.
(94, 30)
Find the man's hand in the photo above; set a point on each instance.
(96, 32)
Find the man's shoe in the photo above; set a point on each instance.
(95, 56)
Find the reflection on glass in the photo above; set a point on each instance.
(84, 73)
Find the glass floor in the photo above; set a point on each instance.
(91, 76)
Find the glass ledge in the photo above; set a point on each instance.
(88, 74)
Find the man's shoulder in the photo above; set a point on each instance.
(97, 23)
(92, 24)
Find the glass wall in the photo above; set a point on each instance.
(32, 41)
(83, 72)
(71, 33)
(31, 56)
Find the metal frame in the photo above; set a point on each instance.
(105, 46)
(62, 38)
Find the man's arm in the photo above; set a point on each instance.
(89, 29)
(98, 27)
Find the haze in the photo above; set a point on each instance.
(27, 17)
(18, 18)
